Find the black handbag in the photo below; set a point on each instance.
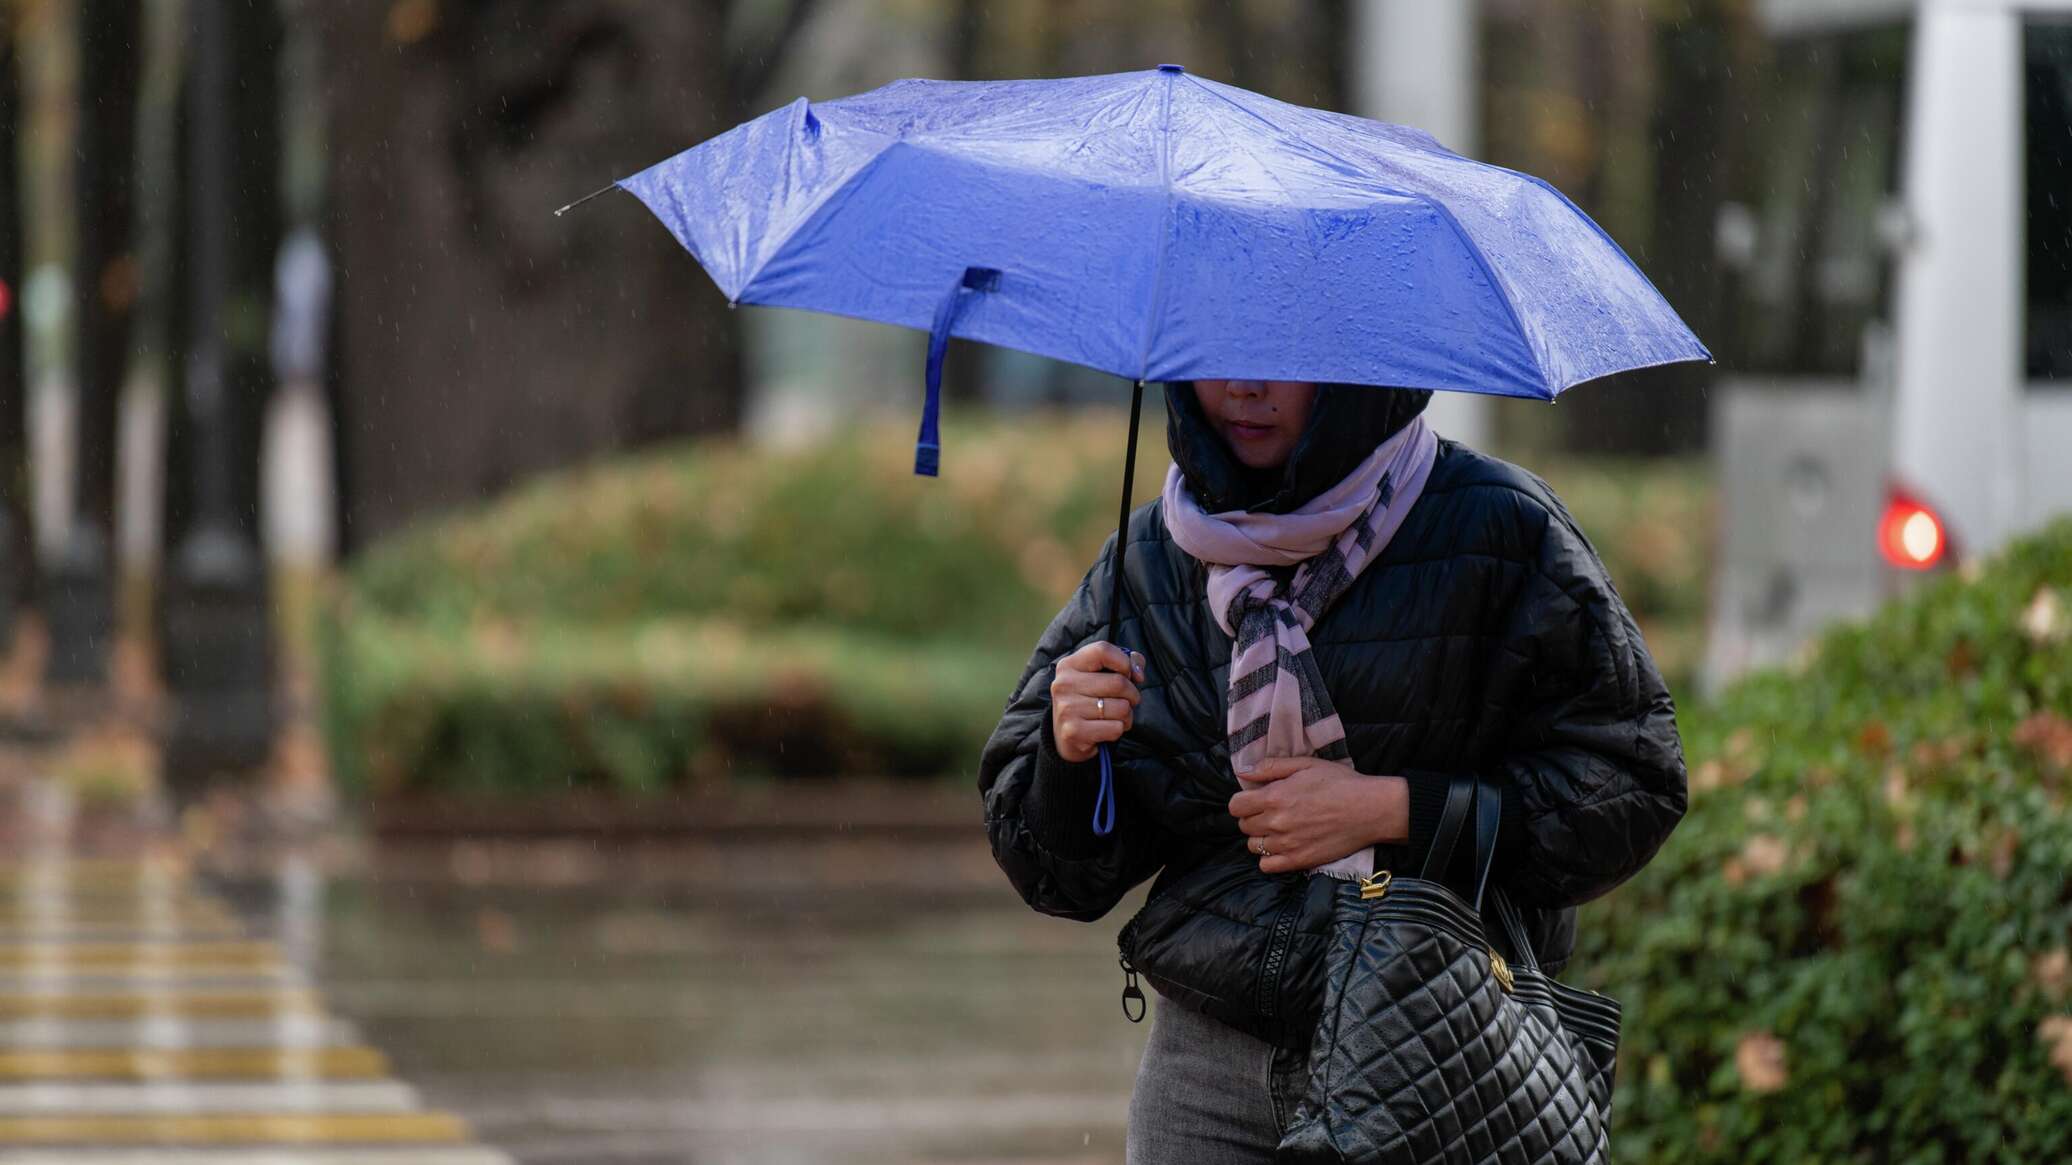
(1433, 1047)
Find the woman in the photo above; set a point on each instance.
(1327, 613)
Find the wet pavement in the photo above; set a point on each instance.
(800, 999)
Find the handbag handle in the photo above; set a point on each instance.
(1488, 816)
(1460, 794)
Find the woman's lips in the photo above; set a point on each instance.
(1245, 432)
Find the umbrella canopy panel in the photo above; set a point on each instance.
(1159, 226)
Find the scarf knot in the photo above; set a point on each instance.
(1272, 576)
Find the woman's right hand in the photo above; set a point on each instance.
(1092, 700)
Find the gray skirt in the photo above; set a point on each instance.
(1207, 1093)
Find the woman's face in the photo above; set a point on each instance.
(1259, 419)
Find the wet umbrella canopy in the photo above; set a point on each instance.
(1160, 226)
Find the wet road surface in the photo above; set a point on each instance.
(866, 1000)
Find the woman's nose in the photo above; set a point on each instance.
(1245, 387)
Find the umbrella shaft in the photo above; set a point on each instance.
(1122, 522)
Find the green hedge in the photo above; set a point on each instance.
(1854, 947)
(840, 535)
(649, 706)
(882, 616)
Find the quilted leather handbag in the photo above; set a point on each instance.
(1431, 1046)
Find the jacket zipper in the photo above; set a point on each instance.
(1125, 946)
(1283, 933)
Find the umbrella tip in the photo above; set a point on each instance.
(585, 198)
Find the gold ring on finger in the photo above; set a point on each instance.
(1101, 708)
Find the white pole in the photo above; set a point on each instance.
(1415, 63)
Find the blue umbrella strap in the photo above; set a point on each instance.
(928, 446)
(1104, 800)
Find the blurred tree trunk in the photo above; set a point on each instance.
(482, 339)
(1292, 52)
(1233, 39)
(81, 606)
(967, 38)
(105, 280)
(213, 610)
(17, 545)
(1662, 411)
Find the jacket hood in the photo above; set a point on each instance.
(1346, 422)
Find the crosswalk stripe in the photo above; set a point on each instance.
(348, 1063)
(46, 980)
(165, 862)
(235, 953)
(234, 1128)
(45, 910)
(306, 1155)
(120, 1004)
(59, 879)
(58, 929)
(180, 1096)
(172, 1031)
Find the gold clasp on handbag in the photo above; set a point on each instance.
(1500, 969)
(1376, 884)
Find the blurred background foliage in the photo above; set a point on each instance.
(1855, 945)
(603, 627)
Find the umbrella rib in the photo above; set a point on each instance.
(1496, 288)
(1163, 241)
(1294, 137)
(818, 204)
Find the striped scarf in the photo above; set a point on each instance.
(1276, 704)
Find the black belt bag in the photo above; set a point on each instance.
(1430, 1046)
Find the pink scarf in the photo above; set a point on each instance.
(1276, 704)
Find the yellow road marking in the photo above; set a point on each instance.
(233, 953)
(114, 910)
(169, 860)
(16, 879)
(119, 931)
(235, 1128)
(131, 1004)
(349, 1063)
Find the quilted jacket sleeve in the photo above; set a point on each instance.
(1038, 806)
(1592, 766)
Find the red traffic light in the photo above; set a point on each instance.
(1911, 535)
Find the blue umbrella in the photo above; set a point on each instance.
(1161, 226)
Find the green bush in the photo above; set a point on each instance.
(501, 649)
(644, 707)
(1854, 947)
(838, 535)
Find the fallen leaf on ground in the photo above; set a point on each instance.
(2051, 971)
(2056, 1033)
(2043, 620)
(1764, 854)
(1759, 1060)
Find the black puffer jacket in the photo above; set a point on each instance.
(1486, 638)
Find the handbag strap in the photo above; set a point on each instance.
(1489, 808)
(1460, 794)
(1488, 817)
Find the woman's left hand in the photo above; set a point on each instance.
(1314, 811)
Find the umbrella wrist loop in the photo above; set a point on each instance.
(928, 445)
(1104, 798)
